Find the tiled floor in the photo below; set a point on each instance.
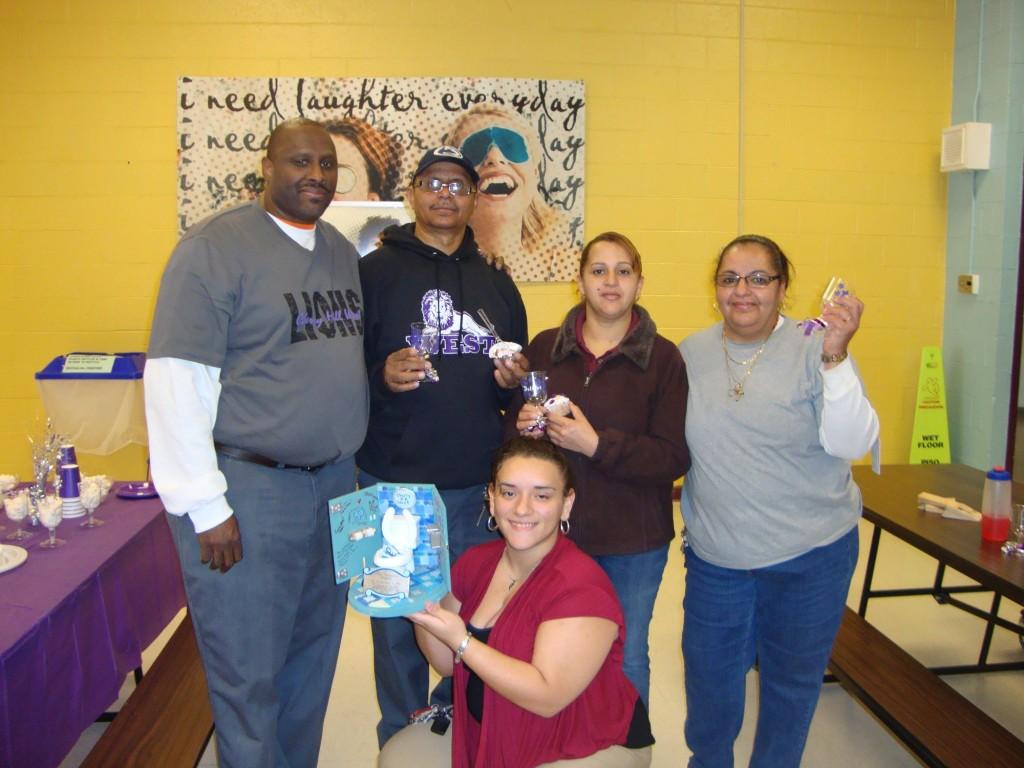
(843, 733)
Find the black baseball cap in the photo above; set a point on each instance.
(446, 154)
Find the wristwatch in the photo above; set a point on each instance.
(837, 358)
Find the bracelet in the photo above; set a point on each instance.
(837, 358)
(462, 647)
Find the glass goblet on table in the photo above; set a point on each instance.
(1015, 544)
(426, 340)
(7, 483)
(50, 514)
(91, 495)
(17, 505)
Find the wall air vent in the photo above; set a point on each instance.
(966, 147)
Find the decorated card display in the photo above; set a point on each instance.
(392, 541)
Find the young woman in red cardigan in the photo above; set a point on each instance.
(533, 634)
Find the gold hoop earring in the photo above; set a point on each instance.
(714, 306)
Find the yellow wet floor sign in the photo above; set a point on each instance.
(930, 439)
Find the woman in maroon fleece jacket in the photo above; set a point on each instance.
(624, 435)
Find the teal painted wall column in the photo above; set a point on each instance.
(983, 233)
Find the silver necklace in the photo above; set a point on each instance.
(513, 580)
(736, 383)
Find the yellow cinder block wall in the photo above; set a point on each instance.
(841, 103)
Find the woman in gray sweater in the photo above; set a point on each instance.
(774, 418)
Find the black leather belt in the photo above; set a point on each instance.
(255, 458)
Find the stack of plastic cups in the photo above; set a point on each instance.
(66, 455)
(69, 481)
(69, 493)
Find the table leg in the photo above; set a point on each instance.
(108, 716)
(869, 572)
(989, 628)
(939, 594)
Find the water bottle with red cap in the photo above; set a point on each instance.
(995, 505)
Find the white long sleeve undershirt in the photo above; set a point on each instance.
(181, 409)
(849, 425)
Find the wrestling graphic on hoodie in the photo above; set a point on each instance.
(456, 327)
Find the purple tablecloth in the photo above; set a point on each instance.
(74, 622)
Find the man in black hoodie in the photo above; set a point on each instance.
(424, 431)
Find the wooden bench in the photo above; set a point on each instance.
(167, 721)
(938, 724)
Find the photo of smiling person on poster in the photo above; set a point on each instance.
(513, 220)
(369, 161)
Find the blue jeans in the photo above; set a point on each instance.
(786, 616)
(400, 670)
(636, 579)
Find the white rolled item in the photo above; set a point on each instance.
(503, 350)
(17, 506)
(558, 405)
(50, 511)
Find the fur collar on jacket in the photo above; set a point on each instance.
(636, 346)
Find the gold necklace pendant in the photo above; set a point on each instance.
(736, 389)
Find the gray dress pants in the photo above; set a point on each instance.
(269, 629)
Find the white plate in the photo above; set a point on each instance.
(11, 557)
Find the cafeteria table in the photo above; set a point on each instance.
(890, 503)
(74, 622)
